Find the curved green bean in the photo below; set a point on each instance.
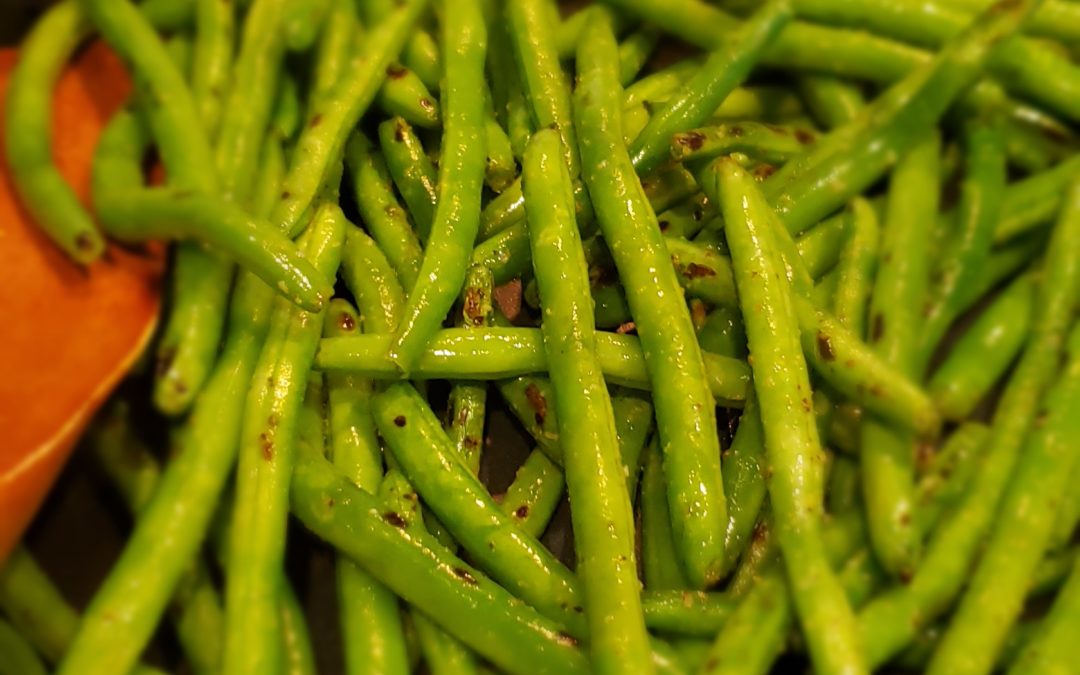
(534, 494)
(832, 101)
(856, 268)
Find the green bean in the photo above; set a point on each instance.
(570, 29)
(425, 453)
(753, 636)
(969, 247)
(948, 477)
(498, 353)
(762, 142)
(369, 276)
(369, 614)
(659, 86)
(892, 619)
(29, 598)
(301, 23)
(461, 172)
(322, 141)
(825, 290)
(885, 455)
(379, 209)
(1034, 200)
(723, 333)
(689, 613)
(1055, 19)
(1052, 648)
(1053, 571)
(684, 405)
(603, 520)
(212, 59)
(686, 219)
(1067, 517)
(660, 563)
(1014, 63)
(546, 88)
(530, 398)
(609, 306)
(856, 268)
(443, 654)
(141, 214)
(851, 158)
(1021, 533)
(634, 53)
(783, 388)
(508, 98)
(744, 482)
(843, 360)
(842, 489)
(28, 132)
(250, 101)
(403, 94)
(340, 33)
(983, 352)
(266, 454)
(534, 494)
(299, 655)
(17, 657)
(722, 71)
(463, 601)
(468, 400)
(421, 55)
(168, 15)
(501, 166)
(832, 101)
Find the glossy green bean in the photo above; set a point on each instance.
(759, 141)
(659, 560)
(534, 494)
(886, 455)
(215, 27)
(463, 601)
(723, 333)
(832, 101)
(468, 400)
(683, 402)
(995, 592)
(722, 71)
(301, 23)
(634, 53)
(322, 141)
(461, 172)
(946, 480)
(782, 385)
(368, 611)
(984, 351)
(443, 654)
(744, 482)
(856, 268)
(892, 619)
(498, 353)
(404, 95)
(1053, 647)
(508, 98)
(340, 33)
(689, 613)
(380, 211)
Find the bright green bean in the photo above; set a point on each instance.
(722, 71)
(534, 494)
(857, 267)
(783, 388)
(603, 516)
(1053, 650)
(340, 33)
(832, 101)
(468, 400)
(659, 560)
(461, 173)
(945, 481)
(763, 142)
(404, 94)
(744, 482)
(684, 404)
(369, 276)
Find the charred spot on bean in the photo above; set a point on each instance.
(285, 194)
(803, 136)
(474, 305)
(877, 328)
(626, 328)
(426, 103)
(567, 639)
(735, 131)
(84, 242)
(465, 575)
(316, 120)
(399, 131)
(825, 347)
(346, 322)
(538, 403)
(266, 444)
(806, 406)
(696, 271)
(272, 420)
(395, 71)
(691, 139)
(763, 171)
(522, 511)
(329, 502)
(394, 518)
(399, 421)
(664, 225)
(164, 361)
(471, 442)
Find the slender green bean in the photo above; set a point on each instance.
(886, 455)
(534, 494)
(983, 352)
(684, 404)
(301, 23)
(603, 517)
(501, 167)
(340, 33)
(461, 173)
(374, 641)
(1053, 647)
(759, 141)
(266, 455)
(857, 267)
(722, 71)
(1021, 533)
(782, 385)
(946, 480)
(322, 141)
(17, 657)
(384, 218)
(468, 400)
(443, 654)
(509, 352)
(506, 90)
(832, 101)
(215, 25)
(659, 560)
(404, 94)
(634, 53)
(893, 618)
(744, 482)
(689, 613)
(723, 333)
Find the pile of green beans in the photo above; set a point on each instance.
(780, 296)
